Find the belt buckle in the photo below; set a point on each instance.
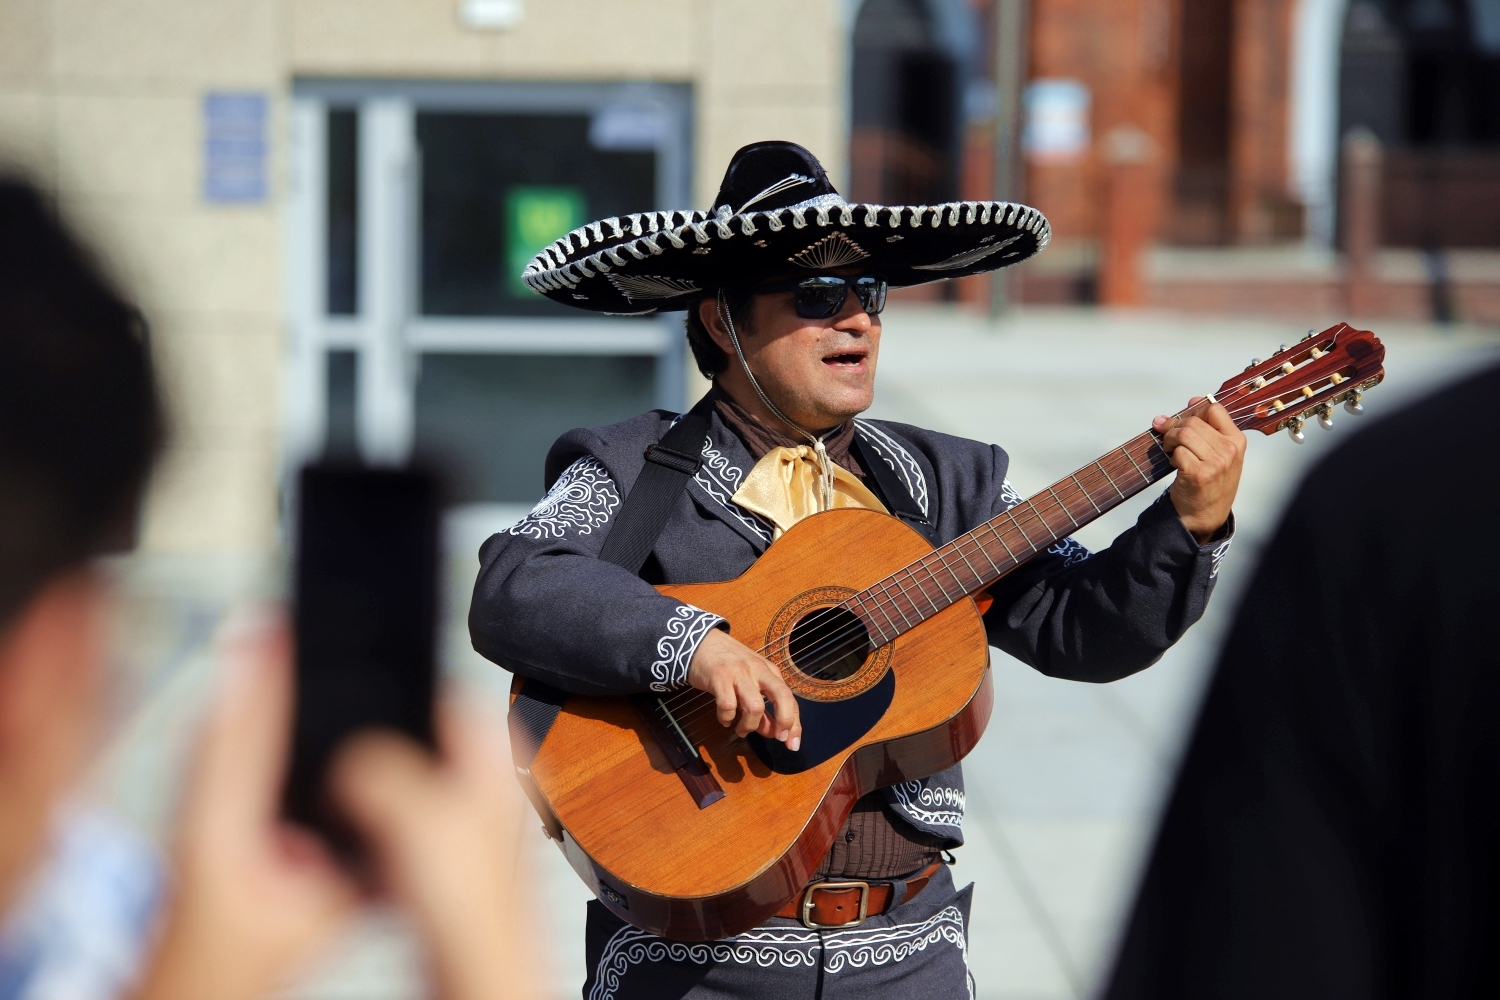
(807, 904)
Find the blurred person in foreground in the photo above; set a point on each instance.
(784, 283)
(1335, 827)
(252, 899)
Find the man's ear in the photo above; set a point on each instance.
(708, 315)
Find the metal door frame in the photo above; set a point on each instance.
(386, 331)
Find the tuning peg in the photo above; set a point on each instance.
(1281, 348)
(1309, 335)
(1325, 417)
(1352, 404)
(1294, 429)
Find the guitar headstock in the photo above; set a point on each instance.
(1321, 371)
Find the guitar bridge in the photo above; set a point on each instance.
(680, 751)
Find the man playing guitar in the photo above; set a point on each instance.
(784, 283)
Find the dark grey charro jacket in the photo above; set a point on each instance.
(547, 608)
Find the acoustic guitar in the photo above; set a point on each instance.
(687, 831)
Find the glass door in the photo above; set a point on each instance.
(414, 207)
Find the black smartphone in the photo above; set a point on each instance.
(365, 604)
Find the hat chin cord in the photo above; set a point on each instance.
(825, 467)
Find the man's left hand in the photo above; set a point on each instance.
(1208, 451)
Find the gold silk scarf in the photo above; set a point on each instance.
(788, 484)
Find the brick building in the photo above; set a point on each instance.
(1216, 123)
(1158, 130)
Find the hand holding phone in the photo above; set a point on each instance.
(365, 592)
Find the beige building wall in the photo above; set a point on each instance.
(101, 102)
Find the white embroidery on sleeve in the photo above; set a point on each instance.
(583, 498)
(685, 630)
(945, 806)
(1071, 549)
(1217, 555)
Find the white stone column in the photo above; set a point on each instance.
(387, 248)
(304, 403)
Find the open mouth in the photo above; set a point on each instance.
(853, 359)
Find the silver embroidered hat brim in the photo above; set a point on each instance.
(660, 261)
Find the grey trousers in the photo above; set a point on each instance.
(918, 950)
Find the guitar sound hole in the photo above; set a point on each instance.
(829, 644)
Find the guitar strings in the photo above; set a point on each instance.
(816, 659)
(1093, 472)
(694, 714)
(853, 631)
(691, 701)
(815, 665)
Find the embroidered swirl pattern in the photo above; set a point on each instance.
(720, 479)
(582, 499)
(933, 806)
(1071, 549)
(784, 947)
(899, 459)
(685, 629)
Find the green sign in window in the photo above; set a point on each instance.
(534, 217)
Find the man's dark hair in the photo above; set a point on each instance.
(80, 419)
(710, 357)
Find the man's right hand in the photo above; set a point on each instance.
(741, 681)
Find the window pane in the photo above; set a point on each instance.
(343, 370)
(497, 188)
(343, 211)
(489, 419)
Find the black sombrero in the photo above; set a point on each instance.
(776, 212)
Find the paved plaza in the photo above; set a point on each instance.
(1064, 787)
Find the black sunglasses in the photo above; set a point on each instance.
(823, 295)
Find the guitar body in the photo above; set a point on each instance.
(631, 825)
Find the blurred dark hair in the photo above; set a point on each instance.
(710, 358)
(80, 419)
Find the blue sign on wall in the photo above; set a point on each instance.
(234, 148)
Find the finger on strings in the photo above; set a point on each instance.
(726, 700)
(1186, 462)
(1218, 418)
(752, 707)
(784, 709)
(1202, 442)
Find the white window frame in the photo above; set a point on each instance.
(386, 332)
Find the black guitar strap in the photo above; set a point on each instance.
(670, 463)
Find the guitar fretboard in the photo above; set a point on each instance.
(973, 561)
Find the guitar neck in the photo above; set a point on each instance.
(973, 561)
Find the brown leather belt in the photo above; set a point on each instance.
(846, 903)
